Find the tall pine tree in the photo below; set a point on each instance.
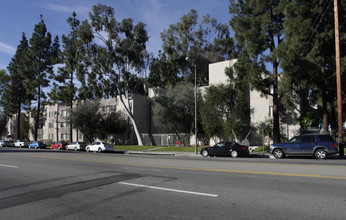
(16, 94)
(64, 90)
(258, 27)
(43, 55)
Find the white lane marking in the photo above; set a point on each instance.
(4, 165)
(167, 189)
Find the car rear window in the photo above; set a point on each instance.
(326, 138)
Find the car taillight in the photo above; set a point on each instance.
(244, 148)
(335, 145)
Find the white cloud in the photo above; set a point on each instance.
(5, 48)
(80, 10)
(56, 7)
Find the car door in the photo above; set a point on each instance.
(293, 147)
(93, 146)
(217, 149)
(226, 149)
(308, 143)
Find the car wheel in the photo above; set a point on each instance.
(99, 150)
(87, 149)
(278, 153)
(75, 149)
(59, 148)
(320, 154)
(234, 153)
(35, 147)
(205, 153)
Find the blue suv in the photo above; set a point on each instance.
(317, 145)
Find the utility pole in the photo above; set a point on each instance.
(338, 78)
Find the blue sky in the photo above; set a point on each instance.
(18, 16)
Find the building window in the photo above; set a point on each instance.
(39, 136)
(65, 136)
(51, 114)
(271, 88)
(109, 109)
(270, 111)
(65, 112)
(50, 125)
(51, 136)
(64, 125)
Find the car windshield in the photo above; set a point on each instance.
(295, 140)
(220, 144)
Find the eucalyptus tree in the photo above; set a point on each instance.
(87, 118)
(175, 110)
(16, 95)
(258, 27)
(117, 51)
(205, 42)
(42, 55)
(225, 112)
(64, 90)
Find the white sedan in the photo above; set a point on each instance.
(99, 147)
(21, 143)
(76, 146)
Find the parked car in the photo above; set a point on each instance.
(228, 148)
(317, 145)
(58, 145)
(5, 143)
(99, 147)
(21, 143)
(76, 146)
(37, 144)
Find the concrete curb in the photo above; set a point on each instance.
(162, 153)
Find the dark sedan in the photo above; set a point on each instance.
(228, 148)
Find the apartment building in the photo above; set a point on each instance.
(54, 125)
(262, 106)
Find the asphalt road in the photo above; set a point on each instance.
(45, 184)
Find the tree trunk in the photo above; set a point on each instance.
(276, 116)
(324, 101)
(139, 138)
(37, 120)
(18, 113)
(71, 130)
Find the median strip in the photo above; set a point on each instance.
(168, 189)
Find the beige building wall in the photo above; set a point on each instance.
(217, 72)
(261, 107)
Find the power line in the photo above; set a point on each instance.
(312, 29)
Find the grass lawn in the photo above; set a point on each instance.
(260, 149)
(159, 148)
(131, 147)
(175, 148)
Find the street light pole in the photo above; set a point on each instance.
(195, 110)
(188, 59)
